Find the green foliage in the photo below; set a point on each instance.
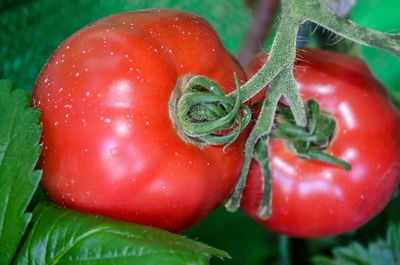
(245, 240)
(19, 151)
(381, 15)
(61, 236)
(380, 252)
(31, 32)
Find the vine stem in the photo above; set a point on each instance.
(262, 128)
(316, 12)
(293, 14)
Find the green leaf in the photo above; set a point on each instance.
(380, 252)
(31, 32)
(61, 236)
(19, 151)
(381, 15)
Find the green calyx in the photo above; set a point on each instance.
(309, 142)
(208, 116)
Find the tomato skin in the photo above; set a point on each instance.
(109, 146)
(311, 198)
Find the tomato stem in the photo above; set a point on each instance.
(318, 13)
(284, 250)
(261, 129)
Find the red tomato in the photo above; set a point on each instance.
(312, 198)
(109, 146)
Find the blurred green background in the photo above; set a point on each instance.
(31, 29)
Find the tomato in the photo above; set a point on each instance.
(109, 145)
(312, 198)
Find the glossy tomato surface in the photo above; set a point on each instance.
(109, 146)
(312, 198)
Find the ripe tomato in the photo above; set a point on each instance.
(109, 146)
(312, 198)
